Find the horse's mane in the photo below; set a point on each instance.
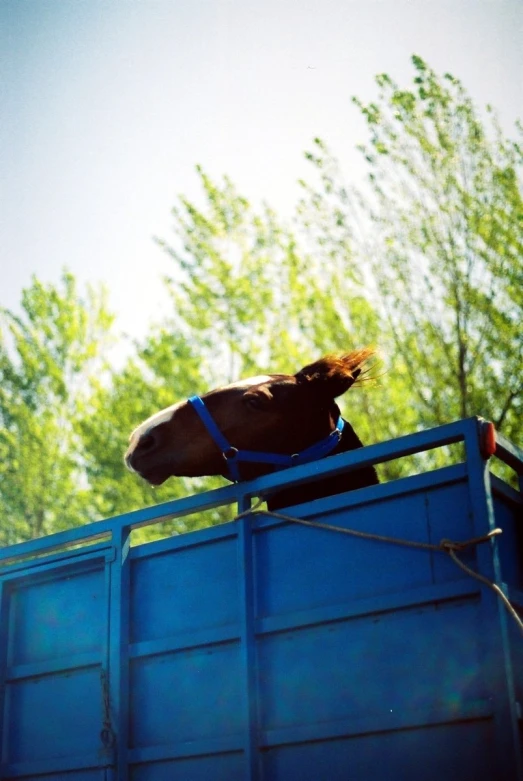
(347, 366)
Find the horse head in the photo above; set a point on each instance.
(251, 427)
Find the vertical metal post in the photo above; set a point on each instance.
(248, 642)
(119, 618)
(4, 635)
(494, 638)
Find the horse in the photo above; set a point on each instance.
(255, 426)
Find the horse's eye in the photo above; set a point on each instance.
(255, 401)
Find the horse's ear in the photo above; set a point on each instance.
(332, 375)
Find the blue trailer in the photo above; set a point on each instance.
(267, 650)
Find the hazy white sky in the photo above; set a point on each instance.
(107, 106)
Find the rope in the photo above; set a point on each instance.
(107, 735)
(445, 546)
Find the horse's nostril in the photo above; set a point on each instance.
(147, 442)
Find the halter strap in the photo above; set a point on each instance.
(233, 456)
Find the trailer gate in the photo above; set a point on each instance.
(261, 650)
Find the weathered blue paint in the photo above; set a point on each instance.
(262, 650)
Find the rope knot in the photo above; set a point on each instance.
(453, 545)
(450, 545)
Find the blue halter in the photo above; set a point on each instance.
(233, 456)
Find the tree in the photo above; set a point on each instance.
(426, 263)
(46, 356)
(251, 297)
(440, 233)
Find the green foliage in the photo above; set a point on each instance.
(426, 263)
(247, 293)
(46, 355)
(439, 238)
(446, 215)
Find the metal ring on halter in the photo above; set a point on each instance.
(230, 454)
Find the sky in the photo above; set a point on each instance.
(107, 106)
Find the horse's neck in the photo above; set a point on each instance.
(349, 481)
